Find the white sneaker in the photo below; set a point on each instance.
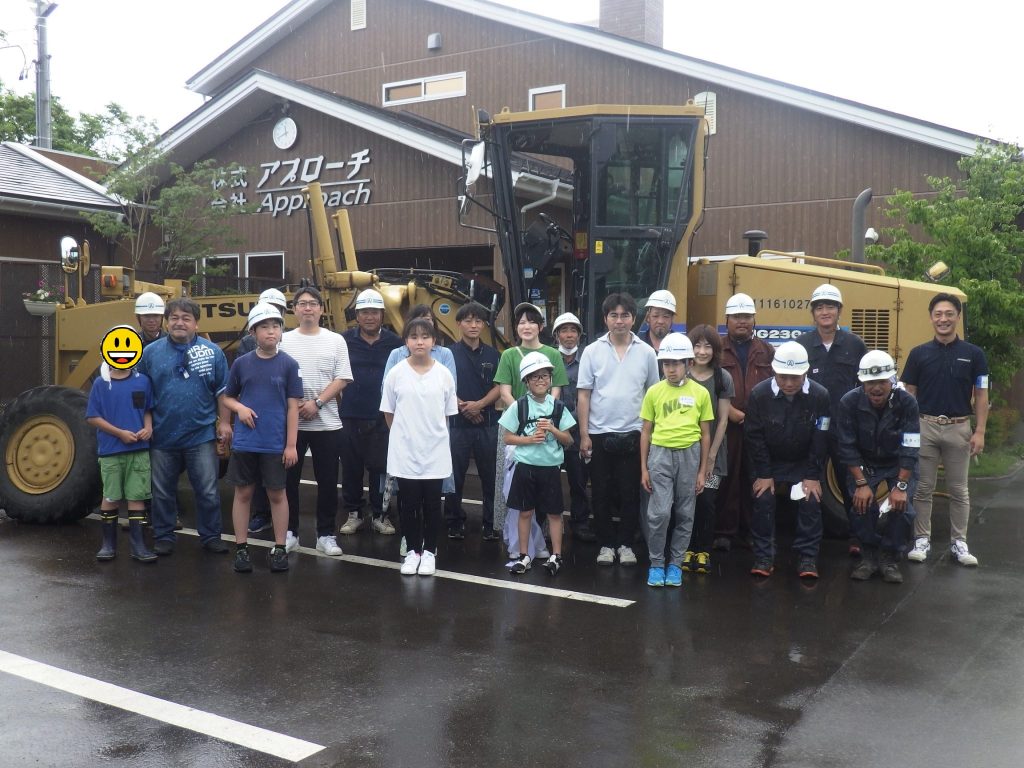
(383, 525)
(920, 551)
(403, 550)
(626, 556)
(353, 524)
(958, 549)
(606, 556)
(428, 563)
(291, 542)
(328, 545)
(411, 564)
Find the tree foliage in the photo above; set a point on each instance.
(974, 227)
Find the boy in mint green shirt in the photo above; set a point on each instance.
(675, 441)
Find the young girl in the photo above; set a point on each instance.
(706, 370)
(417, 397)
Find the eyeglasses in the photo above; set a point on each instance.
(538, 377)
(307, 304)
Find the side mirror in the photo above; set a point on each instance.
(475, 164)
(70, 256)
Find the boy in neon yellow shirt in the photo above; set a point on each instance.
(674, 445)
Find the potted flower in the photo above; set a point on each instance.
(44, 300)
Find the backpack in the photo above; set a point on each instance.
(523, 412)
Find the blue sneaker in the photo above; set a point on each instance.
(656, 577)
(674, 576)
(259, 523)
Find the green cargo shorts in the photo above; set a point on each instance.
(126, 476)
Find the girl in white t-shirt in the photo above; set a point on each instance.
(417, 398)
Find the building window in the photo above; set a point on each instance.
(548, 97)
(221, 263)
(270, 265)
(709, 101)
(425, 89)
(358, 14)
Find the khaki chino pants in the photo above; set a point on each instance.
(950, 445)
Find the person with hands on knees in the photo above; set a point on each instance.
(539, 441)
(263, 391)
(675, 441)
(786, 439)
(879, 437)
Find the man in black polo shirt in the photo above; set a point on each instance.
(474, 431)
(944, 374)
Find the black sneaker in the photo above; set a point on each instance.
(582, 532)
(522, 565)
(489, 534)
(457, 533)
(722, 544)
(243, 563)
(808, 569)
(553, 564)
(278, 559)
(762, 567)
(260, 523)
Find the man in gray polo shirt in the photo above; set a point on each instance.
(615, 372)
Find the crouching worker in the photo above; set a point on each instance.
(120, 408)
(786, 439)
(675, 441)
(538, 426)
(879, 439)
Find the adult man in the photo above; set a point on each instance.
(661, 314)
(189, 375)
(615, 373)
(474, 431)
(149, 314)
(786, 440)
(322, 356)
(748, 360)
(879, 434)
(834, 355)
(364, 437)
(567, 331)
(944, 374)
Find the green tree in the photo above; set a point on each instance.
(972, 226)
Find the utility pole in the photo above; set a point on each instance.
(44, 120)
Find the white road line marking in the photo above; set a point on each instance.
(515, 586)
(249, 736)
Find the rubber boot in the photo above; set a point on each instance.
(109, 549)
(140, 551)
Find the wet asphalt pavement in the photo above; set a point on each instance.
(383, 670)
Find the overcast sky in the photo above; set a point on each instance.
(952, 63)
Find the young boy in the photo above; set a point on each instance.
(120, 408)
(675, 441)
(539, 442)
(264, 389)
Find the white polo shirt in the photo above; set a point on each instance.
(617, 387)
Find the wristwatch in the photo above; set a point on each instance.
(901, 485)
(860, 483)
(319, 403)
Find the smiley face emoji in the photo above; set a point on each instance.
(121, 347)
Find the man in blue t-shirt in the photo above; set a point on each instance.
(189, 375)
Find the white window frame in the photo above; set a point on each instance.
(542, 90)
(263, 254)
(221, 257)
(422, 81)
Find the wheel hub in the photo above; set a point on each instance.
(40, 454)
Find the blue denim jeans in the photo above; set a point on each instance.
(201, 463)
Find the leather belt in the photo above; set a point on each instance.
(944, 420)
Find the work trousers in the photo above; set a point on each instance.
(735, 505)
(615, 477)
(324, 447)
(949, 445)
(353, 466)
(576, 474)
(808, 524)
(865, 527)
(480, 444)
(419, 510)
(673, 475)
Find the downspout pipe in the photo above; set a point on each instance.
(860, 206)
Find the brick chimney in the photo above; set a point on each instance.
(641, 20)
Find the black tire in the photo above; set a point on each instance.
(50, 470)
(833, 508)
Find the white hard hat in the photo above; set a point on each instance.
(740, 304)
(876, 365)
(524, 306)
(149, 303)
(533, 362)
(675, 346)
(827, 292)
(790, 359)
(370, 299)
(275, 297)
(263, 311)
(662, 300)
(566, 318)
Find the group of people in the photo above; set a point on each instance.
(689, 438)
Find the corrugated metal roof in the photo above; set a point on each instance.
(27, 175)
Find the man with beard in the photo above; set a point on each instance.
(661, 314)
(748, 360)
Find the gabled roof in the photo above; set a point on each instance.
(33, 184)
(240, 56)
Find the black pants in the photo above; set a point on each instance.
(419, 509)
(324, 447)
(704, 521)
(576, 473)
(353, 465)
(614, 476)
(480, 443)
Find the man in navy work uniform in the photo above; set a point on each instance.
(786, 439)
(879, 436)
(833, 355)
(944, 374)
(474, 430)
(189, 376)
